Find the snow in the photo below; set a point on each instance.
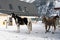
(29, 1)
(38, 33)
(57, 4)
(53, 14)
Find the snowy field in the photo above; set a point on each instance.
(38, 33)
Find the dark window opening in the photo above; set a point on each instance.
(25, 8)
(19, 7)
(0, 7)
(10, 6)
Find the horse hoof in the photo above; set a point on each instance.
(52, 32)
(48, 31)
(28, 33)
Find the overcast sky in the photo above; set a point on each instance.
(28, 0)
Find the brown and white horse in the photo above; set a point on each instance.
(21, 21)
(50, 22)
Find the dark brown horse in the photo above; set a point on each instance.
(50, 22)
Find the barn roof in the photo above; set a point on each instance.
(28, 9)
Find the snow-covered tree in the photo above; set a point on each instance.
(43, 6)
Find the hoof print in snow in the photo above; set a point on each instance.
(36, 32)
(16, 36)
(27, 33)
(45, 32)
(18, 31)
(46, 37)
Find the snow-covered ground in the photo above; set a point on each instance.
(38, 33)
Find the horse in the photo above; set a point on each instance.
(49, 22)
(21, 21)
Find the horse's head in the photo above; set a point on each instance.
(44, 19)
(55, 17)
(12, 15)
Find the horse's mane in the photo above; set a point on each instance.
(17, 16)
(55, 17)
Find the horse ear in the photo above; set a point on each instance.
(13, 13)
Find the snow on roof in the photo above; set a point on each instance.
(53, 14)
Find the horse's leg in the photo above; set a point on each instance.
(29, 26)
(45, 28)
(54, 28)
(18, 28)
(49, 28)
